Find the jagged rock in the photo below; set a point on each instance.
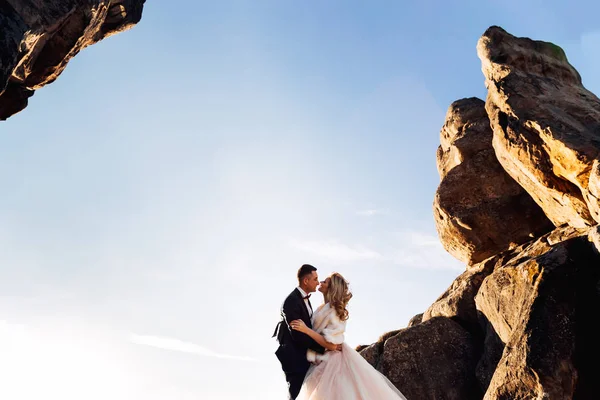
(371, 353)
(594, 237)
(465, 133)
(39, 37)
(416, 320)
(521, 323)
(433, 360)
(493, 348)
(563, 234)
(497, 295)
(545, 125)
(458, 302)
(479, 209)
(540, 306)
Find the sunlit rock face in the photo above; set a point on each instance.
(479, 209)
(518, 203)
(39, 37)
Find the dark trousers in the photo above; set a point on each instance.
(294, 381)
(295, 366)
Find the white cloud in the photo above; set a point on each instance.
(429, 258)
(336, 251)
(423, 239)
(371, 212)
(180, 346)
(417, 249)
(412, 249)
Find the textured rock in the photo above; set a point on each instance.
(433, 360)
(500, 293)
(594, 237)
(479, 209)
(493, 348)
(520, 325)
(540, 306)
(458, 302)
(416, 320)
(373, 352)
(546, 125)
(39, 38)
(520, 322)
(465, 133)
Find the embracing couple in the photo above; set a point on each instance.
(318, 365)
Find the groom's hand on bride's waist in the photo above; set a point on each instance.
(337, 348)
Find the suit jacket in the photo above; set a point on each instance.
(293, 345)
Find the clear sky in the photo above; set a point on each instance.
(159, 197)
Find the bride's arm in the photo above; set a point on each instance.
(300, 326)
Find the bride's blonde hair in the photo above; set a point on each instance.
(338, 295)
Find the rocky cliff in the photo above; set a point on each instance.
(39, 37)
(518, 202)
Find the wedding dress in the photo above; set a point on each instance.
(342, 375)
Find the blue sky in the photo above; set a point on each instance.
(160, 195)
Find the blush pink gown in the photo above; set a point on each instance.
(342, 375)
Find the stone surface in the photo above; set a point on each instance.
(39, 38)
(423, 360)
(540, 307)
(493, 348)
(479, 209)
(520, 325)
(458, 302)
(546, 125)
(521, 321)
(416, 320)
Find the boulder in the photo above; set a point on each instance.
(479, 209)
(433, 360)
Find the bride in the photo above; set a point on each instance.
(339, 375)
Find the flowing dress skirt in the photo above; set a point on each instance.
(346, 375)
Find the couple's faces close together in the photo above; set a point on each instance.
(312, 282)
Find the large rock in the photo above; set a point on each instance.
(39, 37)
(372, 353)
(493, 348)
(479, 209)
(521, 323)
(458, 301)
(433, 360)
(416, 320)
(541, 306)
(546, 125)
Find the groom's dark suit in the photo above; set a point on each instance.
(293, 344)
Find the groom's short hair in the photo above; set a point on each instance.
(304, 270)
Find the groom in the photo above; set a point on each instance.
(294, 344)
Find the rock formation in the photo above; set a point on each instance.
(545, 125)
(479, 209)
(39, 37)
(518, 203)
